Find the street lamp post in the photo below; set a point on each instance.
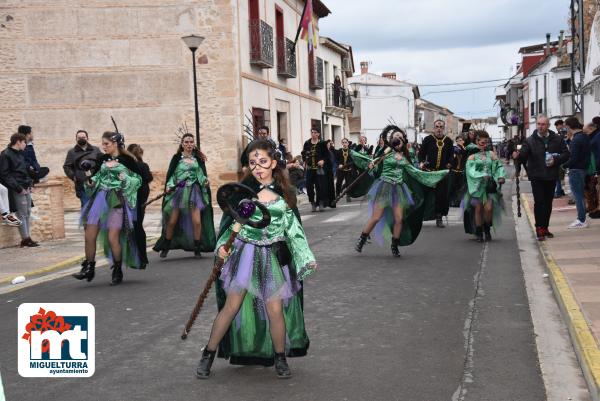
(193, 42)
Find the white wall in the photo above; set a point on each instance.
(591, 107)
(553, 99)
(382, 104)
(264, 88)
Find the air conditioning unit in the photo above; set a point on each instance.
(346, 64)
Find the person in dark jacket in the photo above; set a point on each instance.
(437, 153)
(36, 171)
(544, 151)
(142, 197)
(578, 164)
(362, 147)
(14, 174)
(81, 159)
(346, 171)
(315, 156)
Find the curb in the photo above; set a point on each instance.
(586, 347)
(73, 261)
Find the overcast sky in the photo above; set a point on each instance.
(441, 41)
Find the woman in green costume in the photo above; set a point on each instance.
(187, 209)
(111, 210)
(482, 204)
(259, 292)
(396, 198)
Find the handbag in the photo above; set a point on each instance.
(491, 187)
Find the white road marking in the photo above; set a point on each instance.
(343, 216)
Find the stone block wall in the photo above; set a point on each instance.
(48, 201)
(71, 64)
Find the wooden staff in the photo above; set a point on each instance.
(214, 275)
(162, 195)
(353, 184)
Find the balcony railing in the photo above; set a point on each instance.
(316, 74)
(286, 58)
(338, 97)
(261, 44)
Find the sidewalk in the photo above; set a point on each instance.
(573, 263)
(52, 256)
(55, 255)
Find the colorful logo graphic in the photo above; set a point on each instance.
(56, 340)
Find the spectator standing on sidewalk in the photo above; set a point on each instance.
(82, 158)
(8, 218)
(562, 131)
(595, 158)
(544, 151)
(578, 164)
(36, 172)
(15, 175)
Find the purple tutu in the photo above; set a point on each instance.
(187, 198)
(255, 269)
(98, 212)
(387, 196)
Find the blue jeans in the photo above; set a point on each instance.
(559, 188)
(577, 183)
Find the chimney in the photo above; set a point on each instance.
(364, 67)
(561, 42)
(390, 75)
(547, 52)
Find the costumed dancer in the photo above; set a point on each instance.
(483, 202)
(437, 153)
(110, 211)
(187, 208)
(260, 289)
(458, 181)
(315, 156)
(397, 197)
(346, 172)
(142, 197)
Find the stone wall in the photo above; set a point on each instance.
(71, 64)
(48, 201)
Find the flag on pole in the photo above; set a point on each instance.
(308, 26)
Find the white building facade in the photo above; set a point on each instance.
(381, 101)
(591, 94)
(336, 100)
(548, 91)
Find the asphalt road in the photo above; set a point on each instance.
(448, 320)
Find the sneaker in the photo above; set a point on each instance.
(577, 224)
(10, 220)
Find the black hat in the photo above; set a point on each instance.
(24, 129)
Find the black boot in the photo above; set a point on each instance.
(165, 249)
(361, 242)
(439, 222)
(197, 246)
(395, 244)
(281, 366)
(117, 274)
(479, 234)
(203, 370)
(487, 232)
(87, 271)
